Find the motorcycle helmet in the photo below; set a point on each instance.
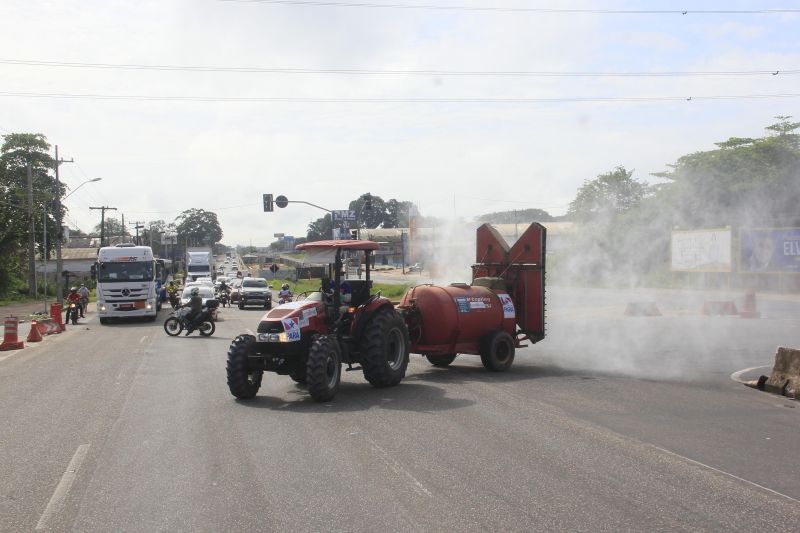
(73, 289)
(285, 286)
(195, 291)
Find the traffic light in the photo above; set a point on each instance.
(368, 202)
(268, 207)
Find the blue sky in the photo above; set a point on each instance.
(457, 159)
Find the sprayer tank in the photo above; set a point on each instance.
(452, 315)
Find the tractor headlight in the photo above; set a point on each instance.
(272, 337)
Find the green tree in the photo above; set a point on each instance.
(611, 193)
(198, 227)
(369, 218)
(17, 151)
(113, 228)
(396, 214)
(744, 181)
(518, 215)
(320, 229)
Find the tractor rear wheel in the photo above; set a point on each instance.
(497, 351)
(242, 382)
(323, 368)
(384, 349)
(442, 360)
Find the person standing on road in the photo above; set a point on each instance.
(84, 294)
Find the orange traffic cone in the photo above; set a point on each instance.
(10, 340)
(35, 335)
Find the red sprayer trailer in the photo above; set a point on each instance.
(345, 323)
(502, 308)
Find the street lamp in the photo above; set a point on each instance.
(81, 185)
(59, 199)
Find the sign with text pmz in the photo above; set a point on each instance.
(344, 214)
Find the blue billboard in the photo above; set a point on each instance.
(769, 250)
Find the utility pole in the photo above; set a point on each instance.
(124, 227)
(103, 222)
(137, 226)
(59, 233)
(32, 290)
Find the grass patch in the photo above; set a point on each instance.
(8, 299)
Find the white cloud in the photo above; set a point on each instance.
(159, 158)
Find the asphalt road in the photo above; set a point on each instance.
(121, 428)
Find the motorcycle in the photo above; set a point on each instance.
(285, 298)
(178, 320)
(224, 299)
(174, 299)
(72, 314)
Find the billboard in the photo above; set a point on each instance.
(769, 250)
(702, 250)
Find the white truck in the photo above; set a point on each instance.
(199, 263)
(127, 285)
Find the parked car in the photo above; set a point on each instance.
(416, 267)
(255, 291)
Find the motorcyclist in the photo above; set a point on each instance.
(172, 294)
(83, 291)
(74, 297)
(223, 287)
(196, 309)
(284, 295)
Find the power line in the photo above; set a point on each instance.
(494, 9)
(398, 72)
(382, 100)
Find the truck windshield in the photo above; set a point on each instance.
(199, 268)
(141, 271)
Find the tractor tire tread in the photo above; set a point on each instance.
(238, 382)
(374, 357)
(316, 368)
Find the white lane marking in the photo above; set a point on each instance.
(733, 476)
(248, 330)
(144, 337)
(57, 500)
(3, 358)
(737, 376)
(397, 468)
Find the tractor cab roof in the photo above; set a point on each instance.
(325, 252)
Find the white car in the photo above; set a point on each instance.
(206, 293)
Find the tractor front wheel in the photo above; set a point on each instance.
(442, 360)
(323, 368)
(242, 382)
(385, 349)
(497, 351)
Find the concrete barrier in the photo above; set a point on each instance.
(642, 309)
(719, 308)
(785, 377)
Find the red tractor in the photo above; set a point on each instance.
(309, 339)
(343, 323)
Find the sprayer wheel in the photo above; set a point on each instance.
(385, 349)
(442, 360)
(242, 382)
(497, 351)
